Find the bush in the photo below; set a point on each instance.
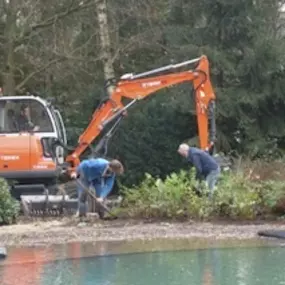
(237, 197)
(157, 198)
(9, 207)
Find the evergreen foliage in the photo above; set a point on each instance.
(243, 40)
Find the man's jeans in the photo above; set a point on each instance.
(82, 196)
(211, 180)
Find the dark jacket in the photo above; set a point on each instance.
(24, 125)
(202, 161)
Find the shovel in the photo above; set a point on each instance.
(98, 203)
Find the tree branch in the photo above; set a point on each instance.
(32, 74)
(51, 20)
(57, 59)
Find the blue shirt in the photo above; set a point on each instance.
(93, 170)
(202, 161)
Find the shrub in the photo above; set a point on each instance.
(273, 197)
(237, 197)
(157, 198)
(9, 207)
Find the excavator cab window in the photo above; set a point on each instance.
(59, 124)
(24, 115)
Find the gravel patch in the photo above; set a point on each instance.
(67, 231)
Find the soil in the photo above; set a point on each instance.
(41, 232)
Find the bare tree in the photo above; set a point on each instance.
(106, 45)
(25, 23)
(9, 45)
(46, 41)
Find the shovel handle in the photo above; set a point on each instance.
(94, 197)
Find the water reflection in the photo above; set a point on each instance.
(24, 266)
(207, 266)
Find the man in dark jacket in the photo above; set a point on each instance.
(206, 166)
(24, 122)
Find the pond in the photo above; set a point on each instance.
(155, 263)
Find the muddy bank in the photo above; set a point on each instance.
(41, 233)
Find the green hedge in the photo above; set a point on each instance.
(237, 197)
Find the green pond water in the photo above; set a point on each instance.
(243, 265)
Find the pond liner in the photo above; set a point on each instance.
(272, 233)
(3, 252)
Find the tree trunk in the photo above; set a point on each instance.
(106, 53)
(9, 37)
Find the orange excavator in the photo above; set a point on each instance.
(33, 140)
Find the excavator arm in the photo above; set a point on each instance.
(140, 86)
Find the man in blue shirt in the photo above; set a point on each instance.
(98, 173)
(206, 166)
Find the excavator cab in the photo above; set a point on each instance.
(28, 127)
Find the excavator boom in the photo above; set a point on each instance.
(140, 86)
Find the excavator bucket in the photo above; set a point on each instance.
(60, 204)
(48, 205)
(64, 204)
